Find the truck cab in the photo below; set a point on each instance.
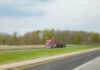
(50, 43)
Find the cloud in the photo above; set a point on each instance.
(29, 15)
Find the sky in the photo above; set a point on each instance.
(28, 15)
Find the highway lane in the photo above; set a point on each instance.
(28, 49)
(91, 65)
(66, 63)
(18, 50)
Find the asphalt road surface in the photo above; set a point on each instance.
(66, 63)
(17, 50)
(91, 65)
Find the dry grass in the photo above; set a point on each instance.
(9, 47)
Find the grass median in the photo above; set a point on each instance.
(10, 57)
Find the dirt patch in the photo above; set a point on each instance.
(9, 47)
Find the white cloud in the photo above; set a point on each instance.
(59, 14)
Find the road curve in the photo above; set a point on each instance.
(68, 63)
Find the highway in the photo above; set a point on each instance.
(91, 65)
(18, 50)
(65, 63)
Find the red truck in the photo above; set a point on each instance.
(50, 43)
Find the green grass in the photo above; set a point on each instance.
(73, 45)
(9, 57)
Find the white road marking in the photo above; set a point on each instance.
(78, 68)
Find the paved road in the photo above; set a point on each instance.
(91, 65)
(67, 63)
(17, 50)
(27, 49)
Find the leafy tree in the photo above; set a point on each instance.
(39, 37)
(8, 40)
(78, 39)
(95, 38)
(1, 42)
(14, 37)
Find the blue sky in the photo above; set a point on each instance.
(29, 15)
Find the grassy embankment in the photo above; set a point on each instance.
(9, 57)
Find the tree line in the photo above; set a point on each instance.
(40, 37)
